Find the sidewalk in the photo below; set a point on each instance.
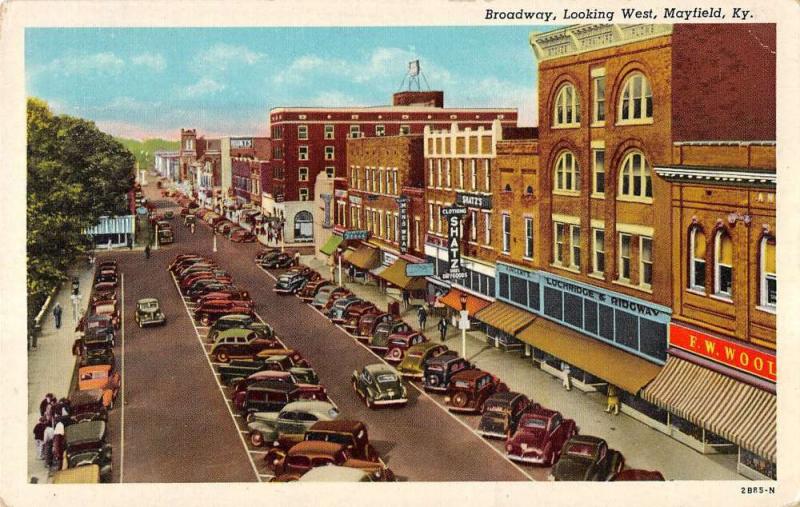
(51, 365)
(642, 446)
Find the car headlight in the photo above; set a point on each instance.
(509, 447)
(447, 399)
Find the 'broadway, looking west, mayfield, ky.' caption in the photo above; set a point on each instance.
(670, 13)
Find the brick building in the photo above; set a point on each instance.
(310, 141)
(200, 167)
(241, 159)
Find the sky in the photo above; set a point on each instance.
(151, 82)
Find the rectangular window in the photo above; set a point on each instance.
(769, 284)
(380, 130)
(355, 131)
(440, 220)
(573, 310)
(599, 162)
(559, 231)
(353, 215)
(394, 182)
(553, 304)
(430, 173)
(447, 173)
(487, 171)
(697, 272)
(381, 176)
(599, 89)
(353, 177)
(625, 257)
(645, 262)
(474, 173)
(431, 217)
(330, 171)
(605, 318)
(653, 338)
(303, 194)
(519, 291)
(405, 130)
(506, 233)
(328, 131)
(439, 173)
(533, 295)
(302, 131)
(461, 174)
(417, 234)
(529, 237)
(626, 329)
(503, 285)
(329, 153)
(575, 247)
(302, 153)
(487, 228)
(599, 251)
(590, 316)
(396, 228)
(302, 173)
(473, 225)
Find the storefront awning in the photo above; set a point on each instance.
(736, 411)
(330, 246)
(396, 275)
(380, 269)
(505, 317)
(609, 363)
(363, 257)
(474, 304)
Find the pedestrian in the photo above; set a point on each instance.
(351, 273)
(57, 314)
(613, 399)
(147, 251)
(297, 258)
(108, 246)
(49, 413)
(47, 444)
(130, 243)
(406, 299)
(443, 328)
(44, 403)
(333, 272)
(38, 437)
(58, 445)
(565, 379)
(422, 315)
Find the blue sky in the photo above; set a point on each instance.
(143, 82)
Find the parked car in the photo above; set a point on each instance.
(239, 343)
(441, 369)
(338, 310)
(289, 283)
(229, 294)
(184, 260)
(106, 278)
(379, 384)
(587, 458)
(290, 423)
(416, 358)
(502, 412)
(540, 437)
(238, 370)
(380, 339)
(223, 227)
(104, 287)
(264, 252)
(313, 454)
(335, 296)
(85, 444)
(87, 406)
(207, 313)
(399, 343)
(97, 324)
(323, 293)
(97, 342)
(282, 260)
(352, 434)
(638, 475)
(267, 257)
(355, 312)
(108, 309)
(148, 313)
(303, 391)
(468, 390)
(109, 295)
(234, 228)
(264, 396)
(242, 321)
(207, 288)
(102, 377)
(243, 236)
(308, 292)
(368, 322)
(336, 473)
(108, 263)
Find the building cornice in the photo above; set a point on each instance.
(719, 175)
(576, 39)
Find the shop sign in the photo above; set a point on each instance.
(479, 201)
(241, 143)
(340, 193)
(422, 269)
(356, 234)
(354, 199)
(388, 258)
(402, 206)
(453, 215)
(726, 352)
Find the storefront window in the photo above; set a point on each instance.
(590, 316)
(642, 406)
(519, 291)
(757, 463)
(503, 285)
(573, 310)
(533, 295)
(627, 332)
(553, 303)
(686, 427)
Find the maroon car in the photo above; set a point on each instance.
(337, 294)
(638, 475)
(399, 343)
(540, 435)
(232, 294)
(308, 292)
(300, 392)
(243, 236)
(469, 389)
(209, 312)
(354, 313)
(367, 324)
(189, 280)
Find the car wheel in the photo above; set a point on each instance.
(222, 356)
(140, 324)
(395, 354)
(256, 438)
(433, 381)
(459, 400)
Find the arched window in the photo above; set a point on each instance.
(507, 188)
(303, 226)
(529, 190)
(567, 174)
(768, 274)
(723, 264)
(697, 259)
(636, 100)
(567, 107)
(635, 179)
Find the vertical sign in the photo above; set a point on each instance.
(453, 215)
(402, 206)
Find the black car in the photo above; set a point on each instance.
(85, 444)
(440, 369)
(290, 283)
(267, 257)
(502, 412)
(282, 260)
(587, 458)
(266, 396)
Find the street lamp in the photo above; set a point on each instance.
(463, 324)
(155, 243)
(340, 251)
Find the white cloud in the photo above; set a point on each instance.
(98, 63)
(155, 62)
(206, 86)
(220, 56)
(332, 99)
(493, 92)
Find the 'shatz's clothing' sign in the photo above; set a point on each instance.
(453, 215)
(474, 200)
(728, 353)
(402, 206)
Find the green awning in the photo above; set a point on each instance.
(330, 246)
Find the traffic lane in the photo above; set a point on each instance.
(177, 427)
(420, 441)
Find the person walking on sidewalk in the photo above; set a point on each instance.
(57, 311)
(443, 328)
(406, 299)
(422, 315)
(147, 251)
(613, 400)
(297, 258)
(565, 371)
(47, 444)
(38, 436)
(45, 402)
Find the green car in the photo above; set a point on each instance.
(379, 384)
(148, 313)
(413, 364)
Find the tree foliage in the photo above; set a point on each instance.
(76, 174)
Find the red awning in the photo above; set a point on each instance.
(474, 303)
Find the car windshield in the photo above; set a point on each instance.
(338, 438)
(82, 458)
(416, 353)
(104, 309)
(534, 423)
(387, 378)
(149, 306)
(581, 449)
(497, 408)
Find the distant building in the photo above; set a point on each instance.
(167, 164)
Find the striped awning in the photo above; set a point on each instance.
(474, 304)
(505, 317)
(112, 225)
(736, 411)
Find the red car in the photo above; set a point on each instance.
(107, 308)
(190, 279)
(354, 313)
(232, 294)
(469, 389)
(367, 324)
(243, 236)
(308, 292)
(399, 343)
(337, 294)
(638, 475)
(540, 435)
(301, 391)
(208, 313)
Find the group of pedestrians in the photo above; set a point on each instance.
(442, 326)
(48, 433)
